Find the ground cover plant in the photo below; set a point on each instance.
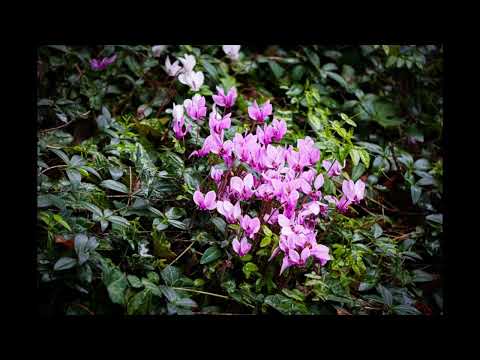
(229, 179)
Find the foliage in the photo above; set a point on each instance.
(119, 232)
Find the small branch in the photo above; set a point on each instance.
(130, 191)
(183, 252)
(202, 292)
(52, 167)
(58, 127)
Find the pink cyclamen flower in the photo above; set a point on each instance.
(102, 64)
(242, 247)
(192, 79)
(157, 50)
(188, 62)
(179, 128)
(353, 191)
(251, 226)
(195, 107)
(223, 100)
(216, 174)
(242, 188)
(279, 129)
(334, 169)
(231, 212)
(259, 113)
(232, 51)
(172, 69)
(218, 123)
(341, 205)
(206, 202)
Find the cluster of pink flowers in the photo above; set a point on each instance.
(283, 178)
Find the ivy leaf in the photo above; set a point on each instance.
(61, 221)
(114, 185)
(134, 281)
(415, 192)
(358, 171)
(116, 172)
(421, 276)
(355, 155)
(118, 220)
(211, 254)
(64, 263)
(74, 176)
(116, 289)
(386, 295)
(171, 275)
(220, 224)
(377, 231)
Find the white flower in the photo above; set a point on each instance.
(188, 63)
(231, 51)
(192, 79)
(158, 50)
(143, 250)
(172, 69)
(177, 111)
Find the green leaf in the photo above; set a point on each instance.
(114, 185)
(365, 157)
(138, 304)
(74, 176)
(178, 224)
(116, 172)
(220, 224)
(185, 302)
(265, 241)
(171, 275)
(169, 293)
(377, 231)
(116, 289)
(386, 295)
(211, 254)
(421, 276)
(298, 72)
(93, 208)
(61, 155)
(294, 294)
(337, 78)
(358, 171)
(277, 70)
(422, 164)
(118, 220)
(436, 218)
(286, 305)
(406, 310)
(61, 221)
(355, 155)
(134, 281)
(415, 192)
(211, 70)
(175, 213)
(65, 263)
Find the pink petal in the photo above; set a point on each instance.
(236, 245)
(318, 182)
(283, 221)
(293, 255)
(248, 181)
(236, 184)
(198, 198)
(210, 200)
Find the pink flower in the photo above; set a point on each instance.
(242, 188)
(274, 157)
(334, 169)
(206, 202)
(251, 226)
(212, 144)
(260, 113)
(172, 69)
(342, 204)
(216, 174)
(279, 129)
(192, 79)
(223, 100)
(353, 191)
(241, 248)
(195, 107)
(179, 128)
(188, 62)
(231, 213)
(218, 123)
(102, 64)
(232, 51)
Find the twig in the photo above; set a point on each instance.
(58, 127)
(202, 292)
(52, 167)
(183, 252)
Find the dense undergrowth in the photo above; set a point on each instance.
(119, 231)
